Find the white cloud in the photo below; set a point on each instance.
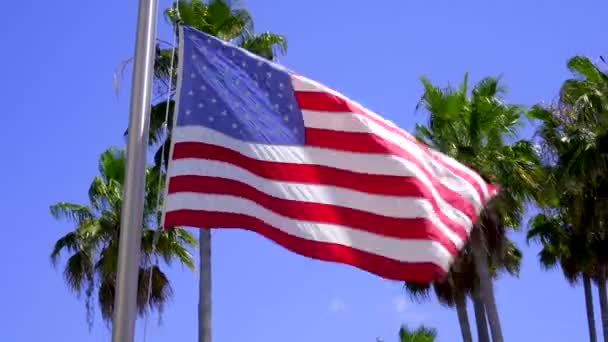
(414, 318)
(407, 312)
(400, 304)
(337, 305)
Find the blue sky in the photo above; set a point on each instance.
(60, 112)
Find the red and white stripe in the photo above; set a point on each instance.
(361, 191)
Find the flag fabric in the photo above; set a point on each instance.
(258, 147)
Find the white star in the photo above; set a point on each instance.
(268, 74)
(190, 93)
(247, 116)
(192, 75)
(290, 107)
(193, 56)
(203, 88)
(280, 95)
(213, 100)
(224, 113)
(209, 40)
(234, 125)
(244, 64)
(204, 67)
(237, 82)
(210, 118)
(257, 105)
(188, 111)
(286, 118)
(260, 63)
(295, 129)
(233, 53)
(276, 105)
(281, 85)
(201, 105)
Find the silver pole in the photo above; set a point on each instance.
(125, 305)
(204, 287)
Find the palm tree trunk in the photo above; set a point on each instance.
(480, 316)
(485, 283)
(601, 284)
(589, 305)
(463, 318)
(204, 300)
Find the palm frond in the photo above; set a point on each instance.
(267, 45)
(98, 194)
(68, 243)
(71, 211)
(171, 244)
(105, 298)
(583, 68)
(78, 271)
(107, 261)
(417, 291)
(112, 163)
(420, 334)
(155, 294)
(157, 119)
(510, 261)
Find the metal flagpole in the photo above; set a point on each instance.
(204, 287)
(131, 217)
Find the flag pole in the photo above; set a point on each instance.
(131, 217)
(204, 286)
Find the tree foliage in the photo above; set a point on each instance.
(571, 227)
(91, 247)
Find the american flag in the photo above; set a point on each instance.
(258, 147)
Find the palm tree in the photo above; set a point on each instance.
(586, 161)
(567, 231)
(574, 135)
(476, 130)
(563, 243)
(567, 247)
(219, 18)
(92, 245)
(450, 292)
(462, 282)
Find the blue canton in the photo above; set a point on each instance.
(237, 93)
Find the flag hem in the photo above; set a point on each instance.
(178, 88)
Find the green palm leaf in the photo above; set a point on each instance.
(420, 334)
(71, 211)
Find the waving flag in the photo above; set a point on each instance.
(258, 147)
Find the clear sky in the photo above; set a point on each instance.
(60, 111)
